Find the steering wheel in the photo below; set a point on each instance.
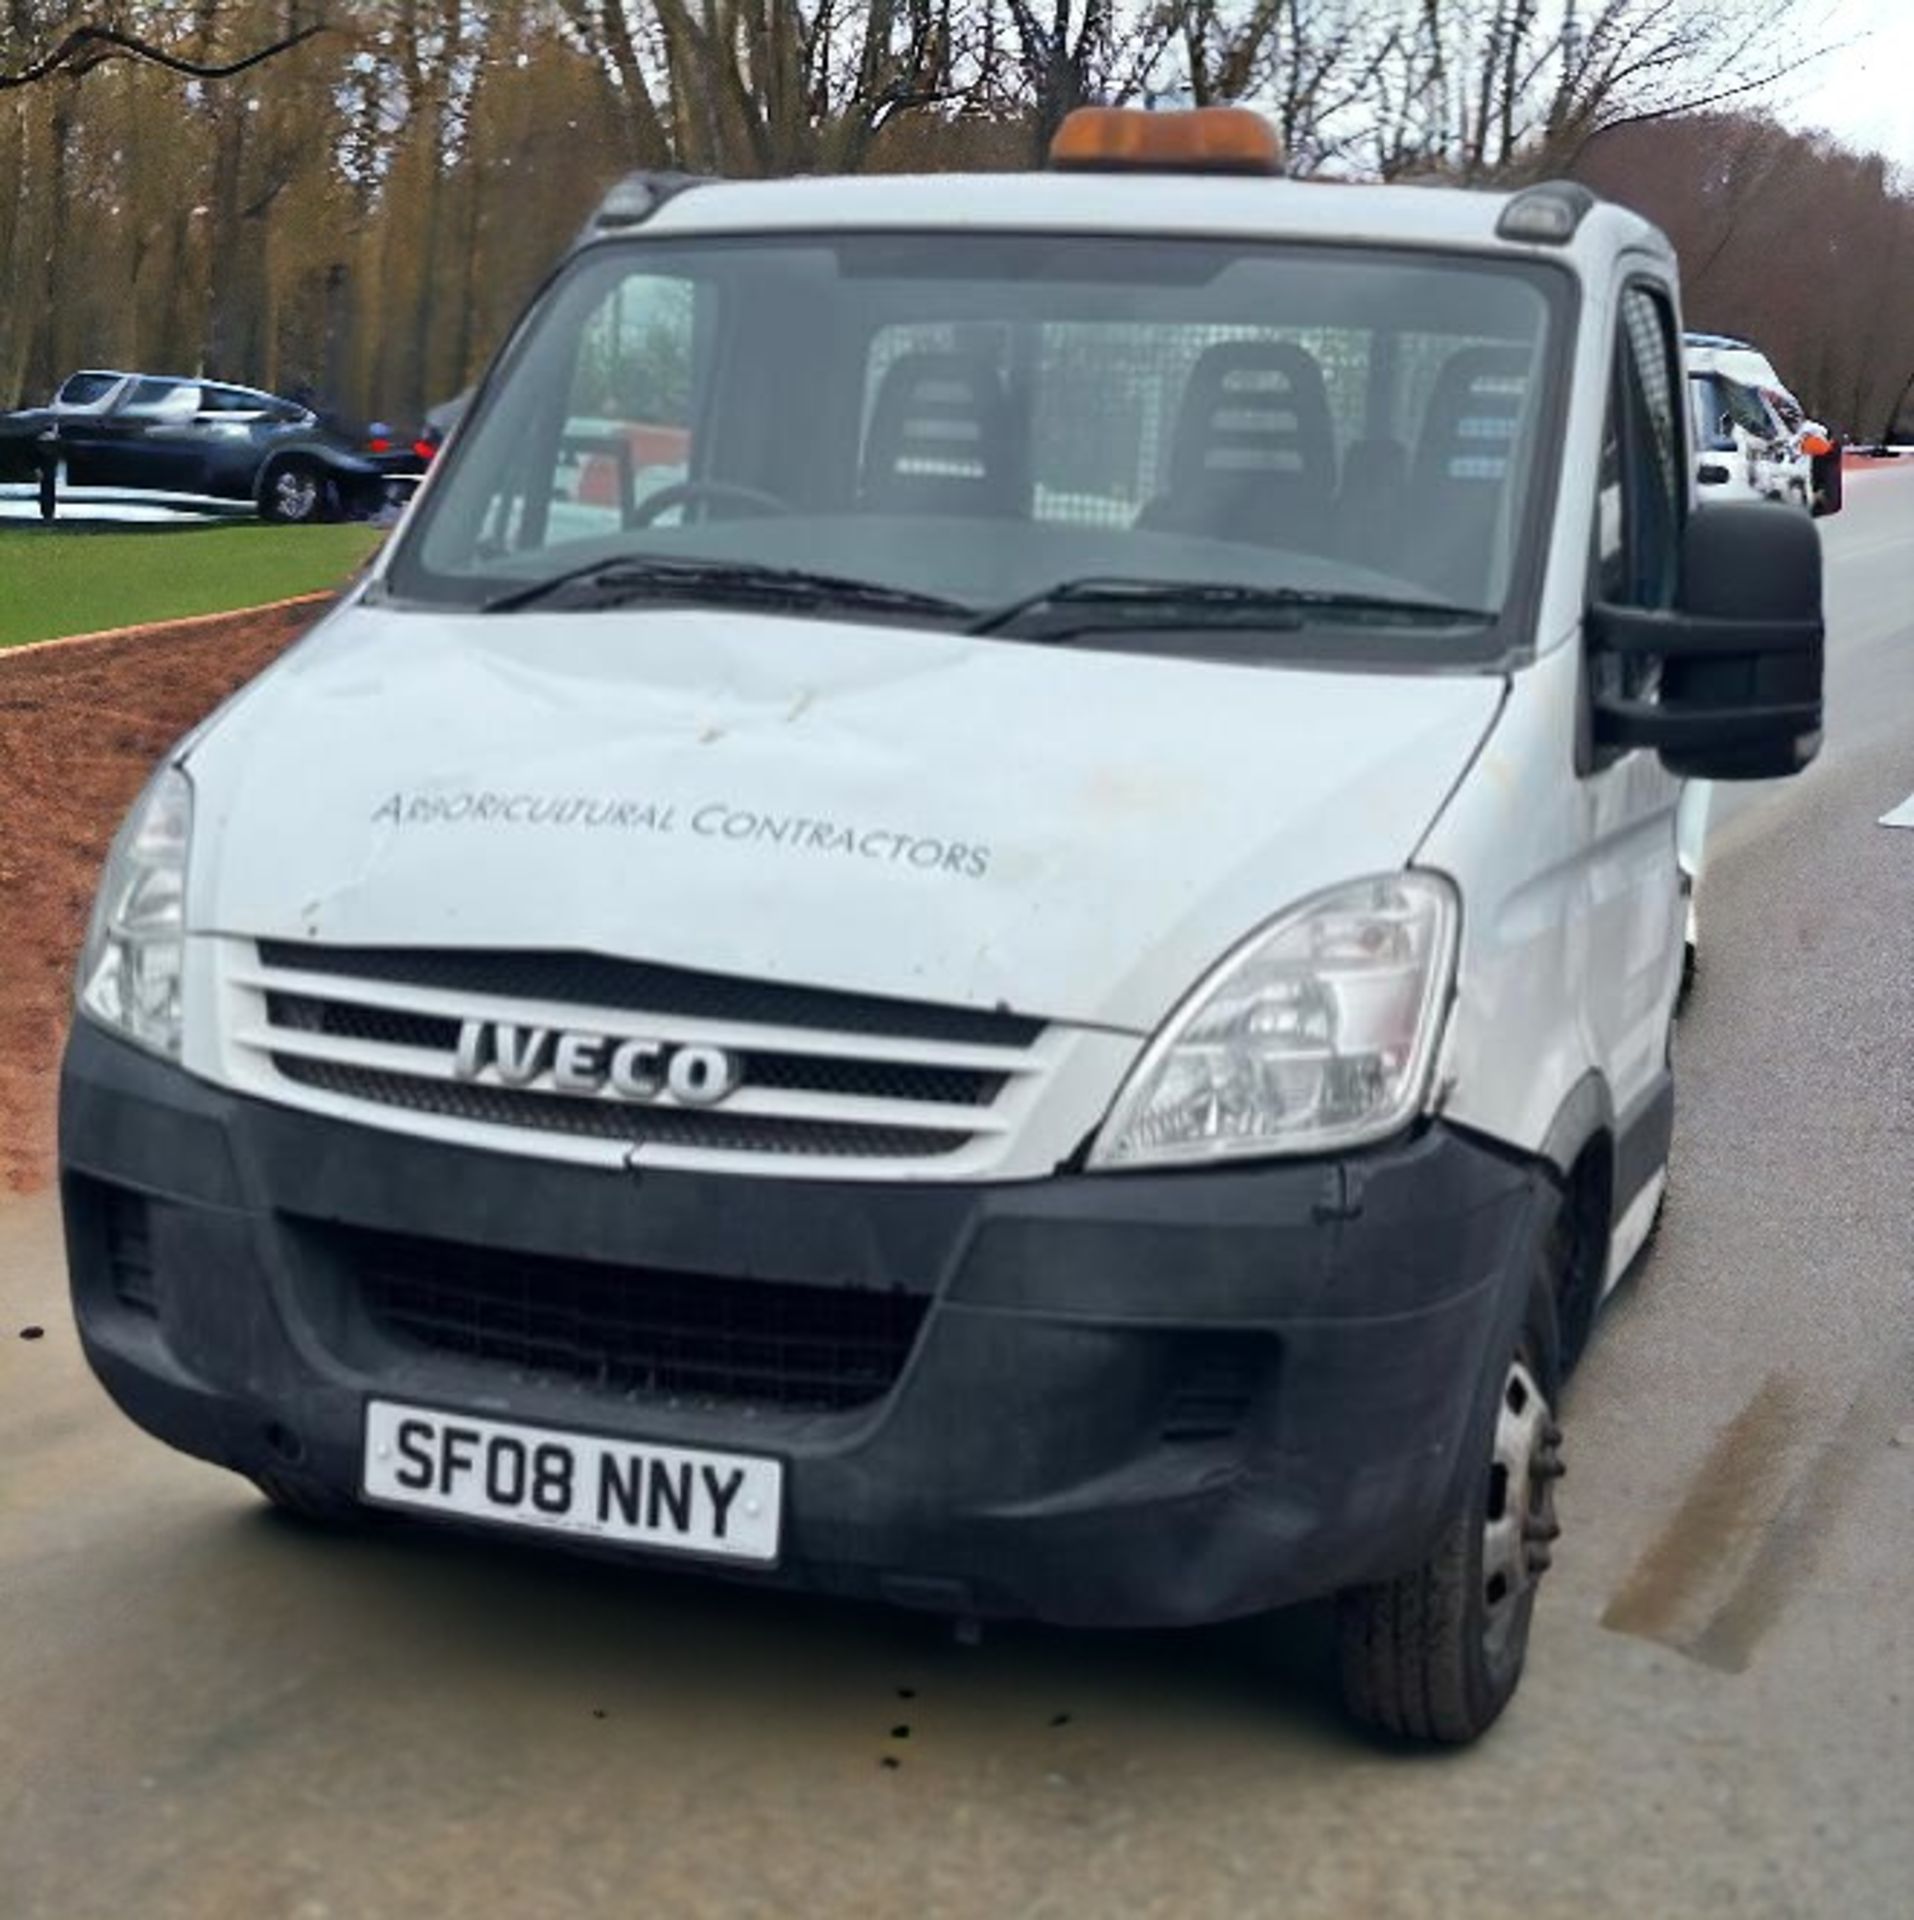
(683, 493)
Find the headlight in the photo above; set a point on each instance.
(135, 945)
(1317, 1033)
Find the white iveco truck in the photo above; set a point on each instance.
(981, 908)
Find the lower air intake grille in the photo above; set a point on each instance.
(129, 1250)
(634, 1330)
(1216, 1387)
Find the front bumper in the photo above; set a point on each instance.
(1129, 1400)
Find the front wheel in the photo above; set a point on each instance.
(1436, 1654)
(295, 493)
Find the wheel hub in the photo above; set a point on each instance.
(1519, 1526)
(296, 492)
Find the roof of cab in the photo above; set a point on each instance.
(1439, 218)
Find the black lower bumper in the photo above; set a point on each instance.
(1116, 1400)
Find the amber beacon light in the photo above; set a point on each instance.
(1200, 140)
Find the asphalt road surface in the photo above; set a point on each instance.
(206, 1711)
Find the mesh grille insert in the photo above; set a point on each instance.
(622, 1120)
(633, 1330)
(805, 1073)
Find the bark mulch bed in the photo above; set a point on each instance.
(82, 724)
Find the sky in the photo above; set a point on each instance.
(1863, 92)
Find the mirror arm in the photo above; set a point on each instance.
(1695, 636)
(1641, 723)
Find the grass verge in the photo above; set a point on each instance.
(56, 581)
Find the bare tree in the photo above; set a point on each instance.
(365, 204)
(762, 87)
(1736, 195)
(1071, 53)
(80, 50)
(1505, 89)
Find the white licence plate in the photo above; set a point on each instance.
(724, 1506)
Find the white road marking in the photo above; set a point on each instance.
(82, 504)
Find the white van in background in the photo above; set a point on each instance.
(1742, 448)
(1753, 438)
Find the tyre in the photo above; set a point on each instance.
(1690, 939)
(294, 493)
(1653, 1235)
(307, 1502)
(1434, 1655)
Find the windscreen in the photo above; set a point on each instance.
(981, 417)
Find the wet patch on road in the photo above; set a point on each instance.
(1745, 1537)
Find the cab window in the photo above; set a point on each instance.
(233, 400)
(1713, 419)
(627, 429)
(1639, 515)
(86, 389)
(156, 399)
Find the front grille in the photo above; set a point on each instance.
(891, 1082)
(795, 1072)
(583, 1117)
(637, 986)
(635, 1331)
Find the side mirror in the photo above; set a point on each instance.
(1740, 692)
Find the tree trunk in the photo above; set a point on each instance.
(222, 337)
(43, 371)
(15, 213)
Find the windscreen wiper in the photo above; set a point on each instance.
(620, 582)
(1102, 605)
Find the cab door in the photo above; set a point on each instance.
(1633, 881)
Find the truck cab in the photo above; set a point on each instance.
(981, 909)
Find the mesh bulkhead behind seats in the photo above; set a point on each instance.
(1459, 484)
(943, 439)
(1254, 453)
(1373, 501)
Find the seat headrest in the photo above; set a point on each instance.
(1473, 414)
(941, 437)
(1253, 408)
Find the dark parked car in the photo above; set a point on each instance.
(140, 433)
